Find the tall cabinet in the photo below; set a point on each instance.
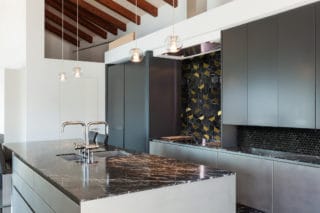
(141, 99)
(269, 71)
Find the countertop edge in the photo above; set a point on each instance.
(234, 152)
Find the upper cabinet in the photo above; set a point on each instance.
(262, 73)
(318, 66)
(278, 84)
(234, 81)
(296, 66)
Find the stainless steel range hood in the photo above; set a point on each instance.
(193, 51)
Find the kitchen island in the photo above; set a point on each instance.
(48, 177)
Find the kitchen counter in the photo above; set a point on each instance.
(107, 177)
(307, 160)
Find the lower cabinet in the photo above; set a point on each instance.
(184, 153)
(266, 184)
(296, 188)
(19, 204)
(254, 179)
(32, 193)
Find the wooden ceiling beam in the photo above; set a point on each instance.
(121, 10)
(93, 28)
(146, 6)
(106, 17)
(86, 15)
(58, 32)
(173, 3)
(67, 26)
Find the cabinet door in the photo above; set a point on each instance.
(234, 85)
(318, 65)
(296, 188)
(18, 203)
(136, 107)
(262, 73)
(254, 179)
(115, 111)
(296, 59)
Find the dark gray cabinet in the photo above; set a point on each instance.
(135, 107)
(269, 71)
(262, 73)
(164, 97)
(296, 65)
(115, 105)
(318, 66)
(234, 86)
(142, 102)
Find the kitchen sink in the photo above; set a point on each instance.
(98, 154)
(109, 154)
(70, 157)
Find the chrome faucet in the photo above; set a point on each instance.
(85, 149)
(95, 123)
(72, 123)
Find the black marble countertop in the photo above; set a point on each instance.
(107, 176)
(308, 160)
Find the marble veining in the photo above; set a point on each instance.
(107, 176)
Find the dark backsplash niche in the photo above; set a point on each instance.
(201, 97)
(301, 141)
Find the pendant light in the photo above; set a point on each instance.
(62, 75)
(136, 54)
(173, 42)
(77, 69)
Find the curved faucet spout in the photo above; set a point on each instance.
(95, 123)
(73, 123)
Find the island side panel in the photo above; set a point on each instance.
(37, 193)
(208, 196)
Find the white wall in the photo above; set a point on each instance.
(43, 88)
(215, 3)
(1, 101)
(15, 105)
(12, 33)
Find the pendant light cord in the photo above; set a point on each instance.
(62, 24)
(77, 31)
(136, 36)
(173, 17)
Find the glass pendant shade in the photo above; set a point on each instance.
(77, 72)
(62, 76)
(136, 55)
(173, 44)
